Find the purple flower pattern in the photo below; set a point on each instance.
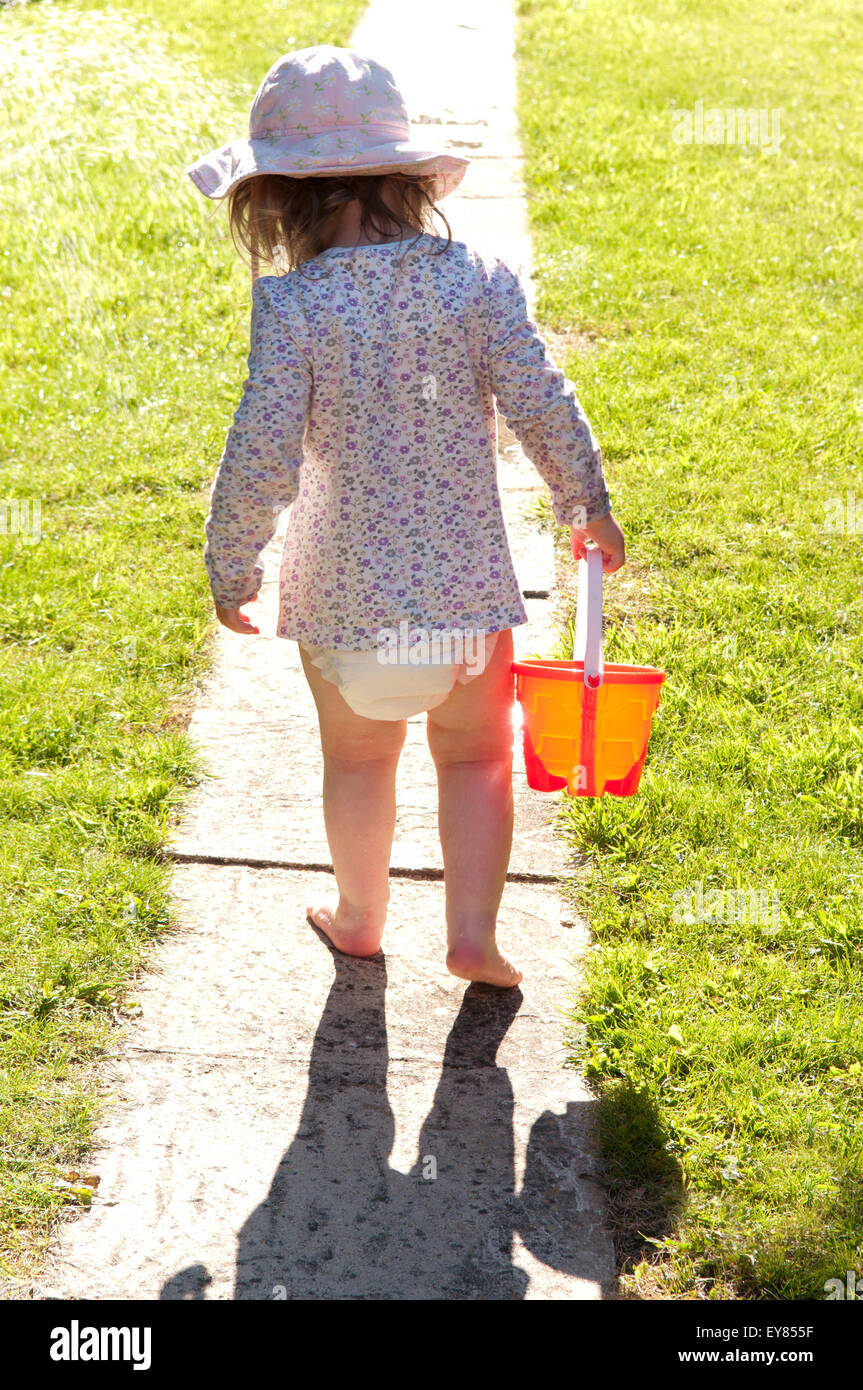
(395, 509)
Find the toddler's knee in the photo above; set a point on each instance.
(490, 743)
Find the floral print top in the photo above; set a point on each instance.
(370, 406)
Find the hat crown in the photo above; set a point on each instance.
(326, 110)
(324, 88)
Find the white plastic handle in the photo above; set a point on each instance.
(588, 621)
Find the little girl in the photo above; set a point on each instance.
(376, 357)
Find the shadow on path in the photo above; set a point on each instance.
(340, 1223)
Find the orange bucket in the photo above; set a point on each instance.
(586, 725)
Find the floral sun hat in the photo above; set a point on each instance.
(325, 110)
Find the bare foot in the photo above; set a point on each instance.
(352, 937)
(472, 961)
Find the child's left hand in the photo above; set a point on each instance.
(236, 620)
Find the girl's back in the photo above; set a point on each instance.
(376, 367)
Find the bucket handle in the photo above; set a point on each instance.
(588, 621)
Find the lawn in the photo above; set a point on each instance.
(123, 337)
(711, 294)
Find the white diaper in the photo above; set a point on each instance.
(379, 690)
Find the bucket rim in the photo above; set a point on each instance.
(614, 672)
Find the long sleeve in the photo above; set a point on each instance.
(258, 472)
(539, 404)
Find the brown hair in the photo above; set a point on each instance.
(278, 218)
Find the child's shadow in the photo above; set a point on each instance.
(340, 1223)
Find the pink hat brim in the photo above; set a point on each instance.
(222, 169)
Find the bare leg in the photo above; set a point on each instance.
(360, 760)
(470, 736)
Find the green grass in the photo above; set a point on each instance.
(720, 287)
(123, 340)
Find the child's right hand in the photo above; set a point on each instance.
(236, 620)
(607, 536)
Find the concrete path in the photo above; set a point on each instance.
(279, 1127)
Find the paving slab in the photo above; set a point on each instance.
(285, 1122)
(455, 68)
(288, 1118)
